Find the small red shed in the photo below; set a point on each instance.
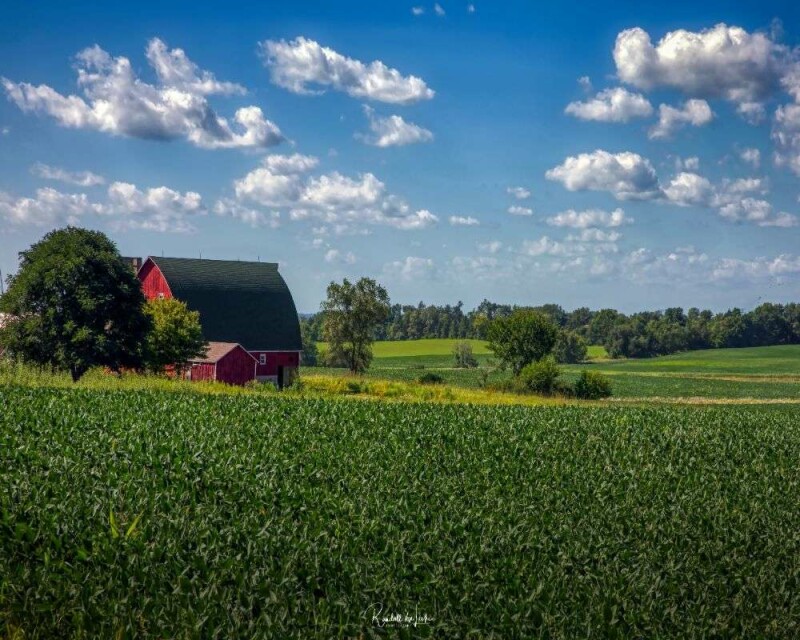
(226, 362)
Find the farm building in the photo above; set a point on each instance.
(224, 361)
(244, 303)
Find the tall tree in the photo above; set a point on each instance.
(521, 338)
(352, 314)
(310, 352)
(76, 305)
(175, 336)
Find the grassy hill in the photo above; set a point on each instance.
(764, 373)
(439, 347)
(773, 361)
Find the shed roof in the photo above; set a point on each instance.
(239, 302)
(216, 351)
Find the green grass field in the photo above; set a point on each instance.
(752, 361)
(440, 347)
(148, 514)
(762, 373)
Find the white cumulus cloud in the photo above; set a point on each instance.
(723, 61)
(48, 208)
(493, 246)
(117, 102)
(786, 136)
(612, 105)
(303, 65)
(393, 131)
(589, 218)
(155, 209)
(125, 207)
(516, 210)
(337, 256)
(751, 156)
(410, 268)
(693, 112)
(347, 203)
(78, 178)
(463, 221)
(626, 175)
(520, 193)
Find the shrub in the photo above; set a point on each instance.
(540, 376)
(592, 385)
(462, 352)
(262, 387)
(570, 348)
(430, 378)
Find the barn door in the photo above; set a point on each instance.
(280, 377)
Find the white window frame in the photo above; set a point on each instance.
(262, 358)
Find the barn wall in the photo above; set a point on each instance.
(202, 371)
(153, 281)
(275, 359)
(237, 367)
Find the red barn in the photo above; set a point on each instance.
(224, 361)
(245, 303)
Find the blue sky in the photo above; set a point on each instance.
(610, 155)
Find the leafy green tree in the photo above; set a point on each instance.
(352, 314)
(601, 325)
(523, 337)
(730, 329)
(310, 352)
(769, 325)
(76, 305)
(556, 314)
(570, 348)
(175, 336)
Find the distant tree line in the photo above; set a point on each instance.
(639, 335)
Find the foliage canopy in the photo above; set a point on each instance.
(523, 337)
(352, 313)
(175, 337)
(75, 305)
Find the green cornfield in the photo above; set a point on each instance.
(177, 515)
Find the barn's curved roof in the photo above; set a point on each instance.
(244, 302)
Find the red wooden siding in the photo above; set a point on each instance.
(202, 371)
(275, 359)
(154, 284)
(237, 367)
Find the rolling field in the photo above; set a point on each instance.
(761, 373)
(151, 514)
(751, 361)
(440, 347)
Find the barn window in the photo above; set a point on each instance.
(262, 358)
(160, 295)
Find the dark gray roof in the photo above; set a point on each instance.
(244, 302)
